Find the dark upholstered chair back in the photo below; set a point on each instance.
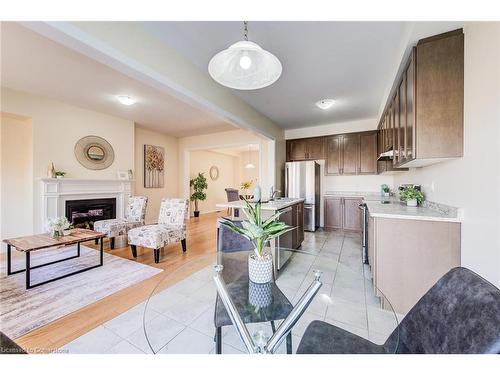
(232, 194)
(459, 314)
(228, 241)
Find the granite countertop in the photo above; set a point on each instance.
(395, 209)
(399, 210)
(270, 206)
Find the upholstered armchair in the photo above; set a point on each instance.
(135, 214)
(460, 314)
(171, 228)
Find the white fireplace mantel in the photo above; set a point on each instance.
(56, 191)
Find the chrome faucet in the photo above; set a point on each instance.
(273, 193)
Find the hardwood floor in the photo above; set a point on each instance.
(201, 240)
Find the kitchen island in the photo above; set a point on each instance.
(292, 213)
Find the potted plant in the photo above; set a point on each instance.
(199, 185)
(259, 232)
(412, 196)
(385, 190)
(57, 226)
(246, 185)
(60, 174)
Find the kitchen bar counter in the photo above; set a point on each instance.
(275, 205)
(396, 209)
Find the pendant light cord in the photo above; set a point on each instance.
(245, 23)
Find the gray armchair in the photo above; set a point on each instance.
(460, 314)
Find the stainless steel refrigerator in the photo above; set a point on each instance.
(302, 180)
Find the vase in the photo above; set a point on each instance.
(411, 203)
(260, 295)
(260, 268)
(56, 233)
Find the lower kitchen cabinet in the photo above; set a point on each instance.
(343, 213)
(352, 214)
(333, 213)
(407, 257)
(298, 224)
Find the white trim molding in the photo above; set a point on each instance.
(56, 191)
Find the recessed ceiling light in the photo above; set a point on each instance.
(125, 99)
(325, 103)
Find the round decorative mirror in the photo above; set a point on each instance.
(214, 173)
(94, 152)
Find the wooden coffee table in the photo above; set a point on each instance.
(44, 241)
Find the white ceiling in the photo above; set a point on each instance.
(35, 64)
(351, 62)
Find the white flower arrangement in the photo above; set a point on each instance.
(57, 225)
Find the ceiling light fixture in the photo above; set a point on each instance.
(245, 66)
(249, 164)
(125, 99)
(325, 103)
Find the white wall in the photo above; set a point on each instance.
(16, 169)
(202, 161)
(170, 189)
(473, 182)
(247, 174)
(57, 127)
(232, 138)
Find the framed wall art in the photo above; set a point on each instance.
(154, 166)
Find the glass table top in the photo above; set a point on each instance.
(185, 301)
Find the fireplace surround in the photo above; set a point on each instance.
(56, 192)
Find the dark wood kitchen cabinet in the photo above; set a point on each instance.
(333, 160)
(350, 154)
(333, 212)
(368, 153)
(425, 112)
(352, 214)
(296, 149)
(298, 223)
(344, 154)
(305, 149)
(343, 213)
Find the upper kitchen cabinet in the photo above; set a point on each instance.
(333, 164)
(305, 149)
(344, 154)
(425, 114)
(351, 154)
(368, 153)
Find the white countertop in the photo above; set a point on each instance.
(270, 206)
(399, 210)
(396, 209)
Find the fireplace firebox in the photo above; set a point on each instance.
(82, 213)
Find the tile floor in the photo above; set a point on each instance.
(180, 320)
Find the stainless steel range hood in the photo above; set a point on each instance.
(388, 155)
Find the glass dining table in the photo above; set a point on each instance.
(187, 298)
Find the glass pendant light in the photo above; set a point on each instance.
(249, 164)
(245, 66)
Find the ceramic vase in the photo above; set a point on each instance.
(260, 268)
(260, 295)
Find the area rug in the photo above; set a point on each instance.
(22, 311)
